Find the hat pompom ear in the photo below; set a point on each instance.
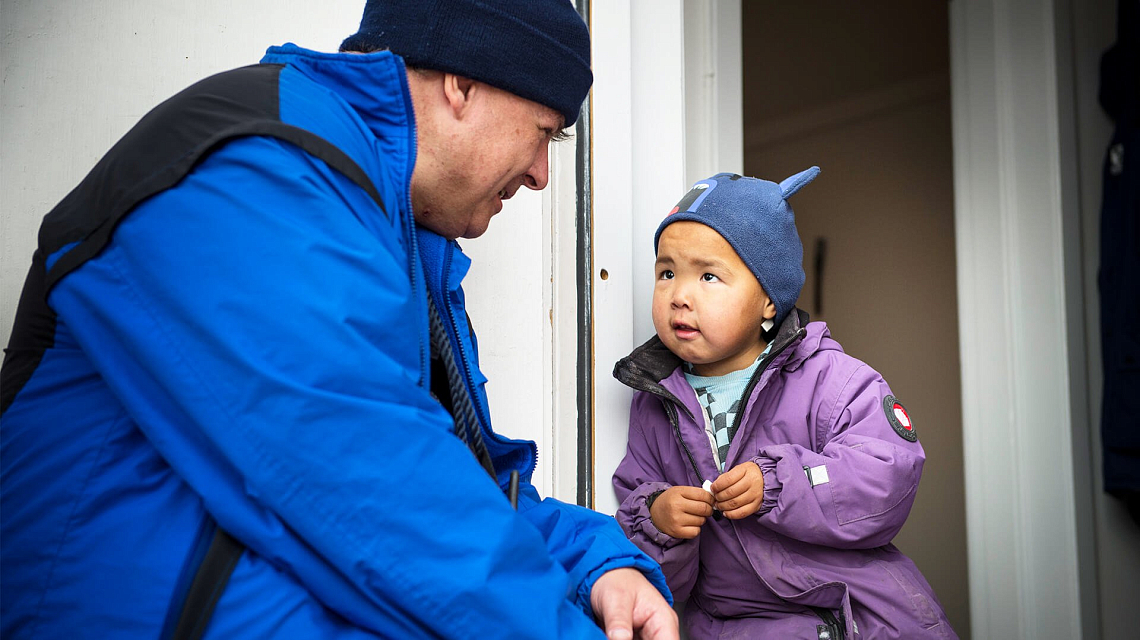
(796, 182)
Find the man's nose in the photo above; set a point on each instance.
(539, 173)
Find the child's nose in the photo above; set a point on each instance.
(680, 296)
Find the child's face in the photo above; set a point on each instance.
(707, 305)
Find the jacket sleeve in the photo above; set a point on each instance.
(587, 544)
(862, 495)
(637, 477)
(259, 324)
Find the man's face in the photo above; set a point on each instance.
(499, 144)
(707, 305)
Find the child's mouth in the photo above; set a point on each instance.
(685, 331)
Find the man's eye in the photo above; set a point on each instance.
(666, 275)
(708, 277)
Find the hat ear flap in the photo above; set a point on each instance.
(796, 182)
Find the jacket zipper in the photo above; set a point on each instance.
(801, 332)
(672, 412)
(468, 378)
(413, 246)
(836, 625)
(672, 402)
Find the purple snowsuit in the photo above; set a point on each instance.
(815, 552)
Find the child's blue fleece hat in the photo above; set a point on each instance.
(754, 216)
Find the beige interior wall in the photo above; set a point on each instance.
(865, 95)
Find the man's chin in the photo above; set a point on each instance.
(474, 233)
(477, 227)
(441, 225)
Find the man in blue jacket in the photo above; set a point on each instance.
(241, 396)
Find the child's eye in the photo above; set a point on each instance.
(666, 274)
(708, 277)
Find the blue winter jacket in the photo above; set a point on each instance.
(250, 346)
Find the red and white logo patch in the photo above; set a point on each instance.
(900, 413)
(899, 419)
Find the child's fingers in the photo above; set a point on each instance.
(741, 501)
(742, 511)
(685, 526)
(732, 491)
(742, 505)
(695, 494)
(728, 478)
(702, 508)
(746, 494)
(690, 520)
(687, 533)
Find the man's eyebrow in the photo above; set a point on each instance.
(664, 260)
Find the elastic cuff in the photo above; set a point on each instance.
(650, 569)
(651, 497)
(643, 520)
(772, 485)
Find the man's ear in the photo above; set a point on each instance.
(458, 91)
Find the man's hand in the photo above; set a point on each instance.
(681, 511)
(630, 607)
(739, 491)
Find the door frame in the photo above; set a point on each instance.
(1024, 387)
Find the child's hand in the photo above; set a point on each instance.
(739, 491)
(680, 511)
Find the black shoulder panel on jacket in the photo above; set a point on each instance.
(33, 332)
(155, 155)
(165, 146)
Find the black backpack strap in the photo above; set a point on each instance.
(449, 387)
(207, 586)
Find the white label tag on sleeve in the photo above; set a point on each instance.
(817, 475)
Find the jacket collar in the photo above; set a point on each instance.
(445, 264)
(648, 365)
(816, 337)
(364, 80)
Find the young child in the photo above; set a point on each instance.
(767, 471)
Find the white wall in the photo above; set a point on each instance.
(77, 75)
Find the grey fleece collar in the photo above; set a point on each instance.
(652, 362)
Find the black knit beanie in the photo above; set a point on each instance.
(535, 49)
